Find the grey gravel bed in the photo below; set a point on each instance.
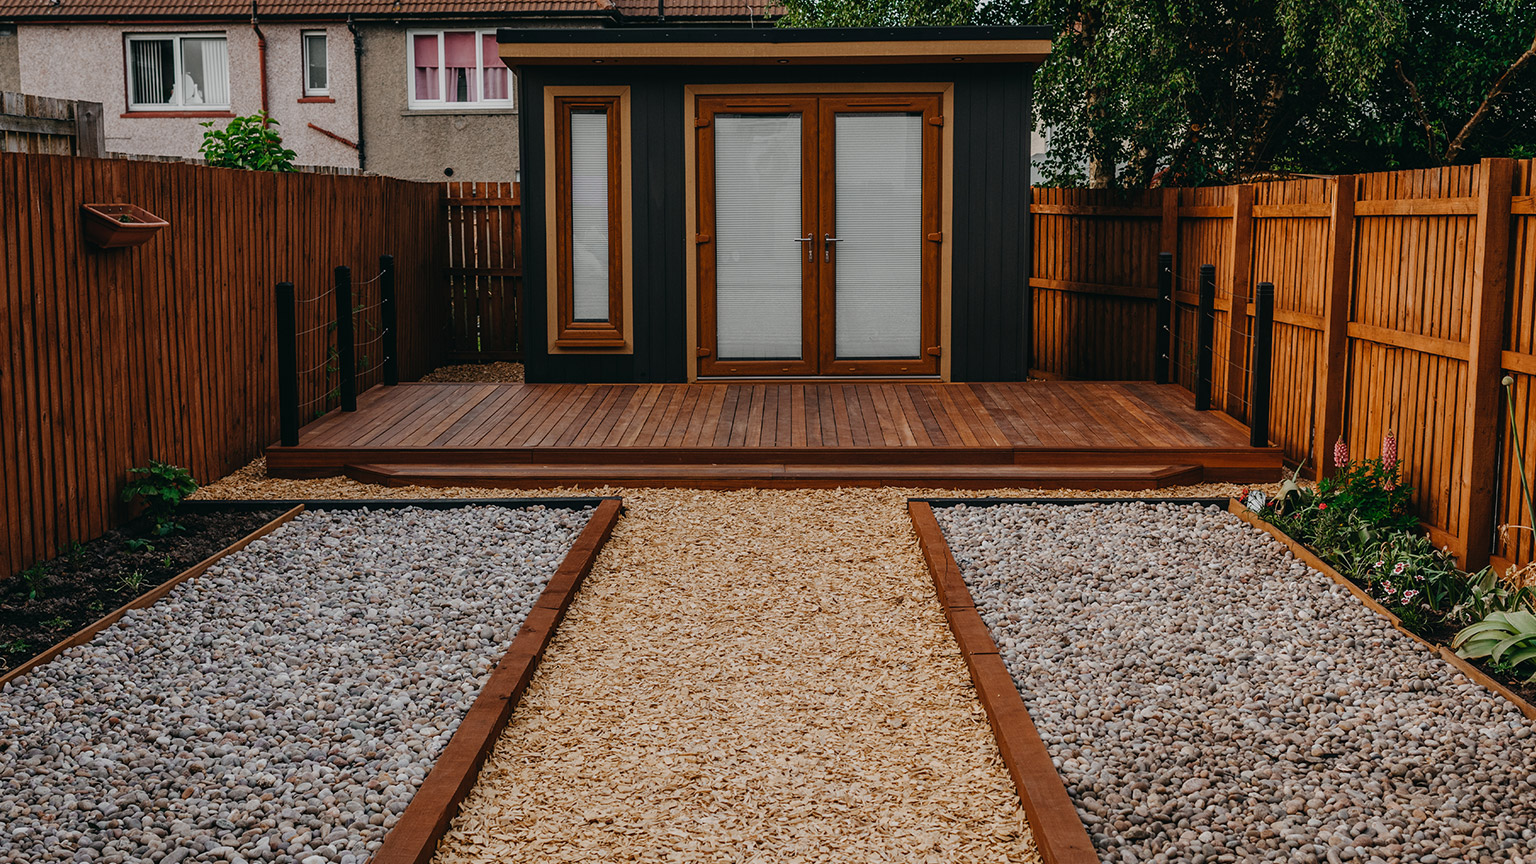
(282, 707)
(1207, 697)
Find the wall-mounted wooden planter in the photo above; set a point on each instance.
(117, 226)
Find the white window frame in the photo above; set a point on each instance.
(304, 37)
(442, 104)
(175, 38)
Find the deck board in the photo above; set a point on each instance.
(1045, 423)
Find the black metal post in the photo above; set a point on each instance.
(388, 319)
(287, 366)
(346, 349)
(1205, 336)
(1263, 351)
(1164, 340)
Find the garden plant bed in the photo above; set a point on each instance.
(86, 582)
(1205, 696)
(289, 704)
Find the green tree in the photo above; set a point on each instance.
(247, 142)
(1139, 92)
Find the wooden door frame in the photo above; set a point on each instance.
(928, 336)
(945, 90)
(709, 361)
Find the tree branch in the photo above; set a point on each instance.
(1499, 88)
(1418, 105)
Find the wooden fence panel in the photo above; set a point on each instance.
(484, 270)
(166, 351)
(39, 124)
(1517, 542)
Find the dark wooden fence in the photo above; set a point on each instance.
(166, 351)
(38, 124)
(1402, 299)
(484, 275)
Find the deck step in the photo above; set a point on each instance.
(781, 476)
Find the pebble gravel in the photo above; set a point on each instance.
(284, 706)
(1208, 698)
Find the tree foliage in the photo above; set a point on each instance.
(247, 142)
(1142, 92)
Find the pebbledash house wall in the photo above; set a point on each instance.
(477, 144)
(87, 61)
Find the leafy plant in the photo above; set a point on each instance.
(34, 580)
(1507, 639)
(57, 622)
(72, 549)
(15, 646)
(247, 142)
(1419, 582)
(140, 544)
(1487, 593)
(163, 487)
(133, 581)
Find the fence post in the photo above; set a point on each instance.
(287, 366)
(346, 349)
(388, 318)
(1240, 278)
(1205, 336)
(1164, 336)
(90, 134)
(1328, 415)
(1263, 351)
(1480, 432)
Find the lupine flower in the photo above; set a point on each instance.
(1340, 453)
(1398, 570)
(1389, 461)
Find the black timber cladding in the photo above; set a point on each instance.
(990, 331)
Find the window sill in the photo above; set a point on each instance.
(450, 112)
(315, 100)
(569, 341)
(150, 115)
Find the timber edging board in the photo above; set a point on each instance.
(1058, 830)
(1308, 557)
(154, 595)
(414, 839)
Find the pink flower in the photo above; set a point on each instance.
(1409, 594)
(1380, 564)
(1388, 589)
(1322, 506)
(1340, 453)
(1389, 452)
(1398, 570)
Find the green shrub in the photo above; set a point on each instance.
(1507, 639)
(163, 487)
(247, 142)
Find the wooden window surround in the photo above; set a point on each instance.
(574, 332)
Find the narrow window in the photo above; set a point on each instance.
(317, 73)
(178, 72)
(588, 223)
(455, 69)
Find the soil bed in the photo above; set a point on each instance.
(286, 704)
(1207, 697)
(85, 583)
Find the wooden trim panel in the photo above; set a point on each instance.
(942, 52)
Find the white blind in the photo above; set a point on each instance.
(880, 224)
(153, 65)
(204, 72)
(589, 214)
(757, 218)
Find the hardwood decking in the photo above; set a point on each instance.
(1076, 434)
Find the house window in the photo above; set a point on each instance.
(182, 71)
(457, 69)
(588, 223)
(317, 73)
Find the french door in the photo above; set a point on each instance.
(818, 243)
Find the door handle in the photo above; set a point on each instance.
(810, 251)
(827, 241)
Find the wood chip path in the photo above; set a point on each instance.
(756, 675)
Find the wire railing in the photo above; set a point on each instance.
(333, 378)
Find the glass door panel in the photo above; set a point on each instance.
(879, 231)
(757, 212)
(758, 276)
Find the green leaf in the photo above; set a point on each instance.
(1498, 651)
